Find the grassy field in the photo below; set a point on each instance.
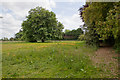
(63, 59)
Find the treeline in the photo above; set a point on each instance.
(8, 39)
(72, 34)
(102, 23)
(67, 35)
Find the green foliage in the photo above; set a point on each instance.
(117, 45)
(67, 30)
(19, 36)
(102, 22)
(81, 37)
(74, 33)
(58, 32)
(110, 27)
(41, 25)
(11, 39)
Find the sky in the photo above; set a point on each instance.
(14, 12)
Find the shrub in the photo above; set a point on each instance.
(81, 37)
(117, 45)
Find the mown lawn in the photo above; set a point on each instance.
(63, 59)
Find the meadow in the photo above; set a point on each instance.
(57, 59)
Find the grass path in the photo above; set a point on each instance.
(107, 60)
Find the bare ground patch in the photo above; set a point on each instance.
(106, 59)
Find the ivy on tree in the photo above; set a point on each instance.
(41, 24)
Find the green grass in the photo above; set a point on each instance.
(63, 59)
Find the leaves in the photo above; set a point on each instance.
(102, 21)
(41, 25)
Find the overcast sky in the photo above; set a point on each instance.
(14, 12)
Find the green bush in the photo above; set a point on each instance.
(81, 37)
(117, 46)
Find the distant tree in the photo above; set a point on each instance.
(74, 33)
(67, 30)
(11, 39)
(81, 37)
(5, 39)
(41, 24)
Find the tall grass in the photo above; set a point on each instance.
(47, 60)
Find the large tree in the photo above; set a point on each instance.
(41, 24)
(101, 21)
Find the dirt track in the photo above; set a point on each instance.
(107, 59)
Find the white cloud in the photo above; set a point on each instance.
(70, 0)
(45, 0)
(24, 0)
(22, 8)
(52, 3)
(14, 13)
(71, 22)
(10, 25)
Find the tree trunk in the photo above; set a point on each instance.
(43, 40)
(33, 41)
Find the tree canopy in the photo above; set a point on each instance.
(102, 21)
(41, 24)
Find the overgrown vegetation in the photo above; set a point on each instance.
(102, 22)
(81, 37)
(73, 34)
(46, 60)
